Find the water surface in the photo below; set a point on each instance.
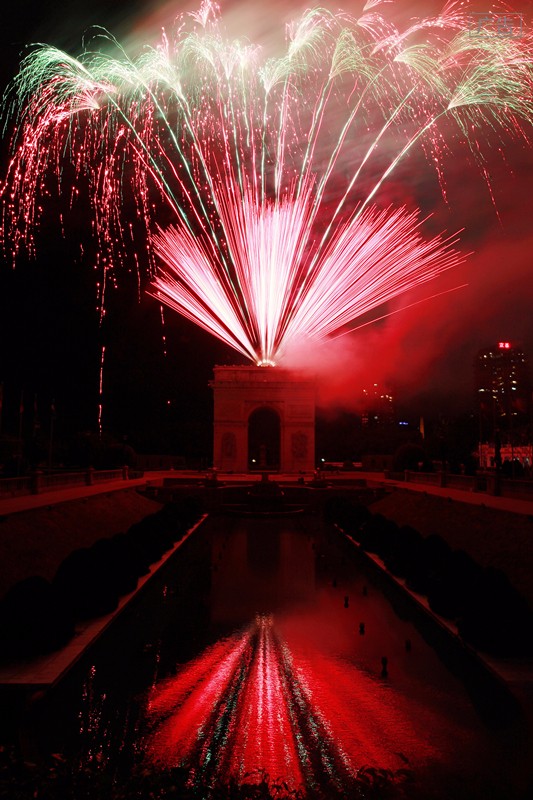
(265, 649)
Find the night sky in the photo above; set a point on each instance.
(51, 340)
(50, 333)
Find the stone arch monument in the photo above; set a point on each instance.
(264, 419)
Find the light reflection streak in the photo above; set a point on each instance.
(252, 706)
(202, 689)
(265, 739)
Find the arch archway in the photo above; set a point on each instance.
(263, 406)
(264, 439)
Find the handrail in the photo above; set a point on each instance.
(492, 484)
(38, 482)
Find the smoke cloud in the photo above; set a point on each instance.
(425, 349)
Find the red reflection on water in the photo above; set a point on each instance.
(358, 712)
(227, 712)
(264, 735)
(188, 706)
(256, 703)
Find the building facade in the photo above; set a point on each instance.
(503, 389)
(264, 419)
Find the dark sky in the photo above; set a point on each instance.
(50, 336)
(50, 340)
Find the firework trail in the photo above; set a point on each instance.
(251, 187)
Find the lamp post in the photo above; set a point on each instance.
(51, 443)
(20, 447)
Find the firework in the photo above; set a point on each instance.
(249, 190)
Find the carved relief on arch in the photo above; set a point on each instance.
(229, 445)
(299, 445)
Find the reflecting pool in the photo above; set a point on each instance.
(265, 648)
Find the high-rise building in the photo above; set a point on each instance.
(377, 407)
(503, 389)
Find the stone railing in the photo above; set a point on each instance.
(491, 483)
(12, 487)
(38, 482)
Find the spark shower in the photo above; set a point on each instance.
(250, 190)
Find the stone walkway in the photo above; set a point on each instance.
(515, 505)
(12, 505)
(26, 502)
